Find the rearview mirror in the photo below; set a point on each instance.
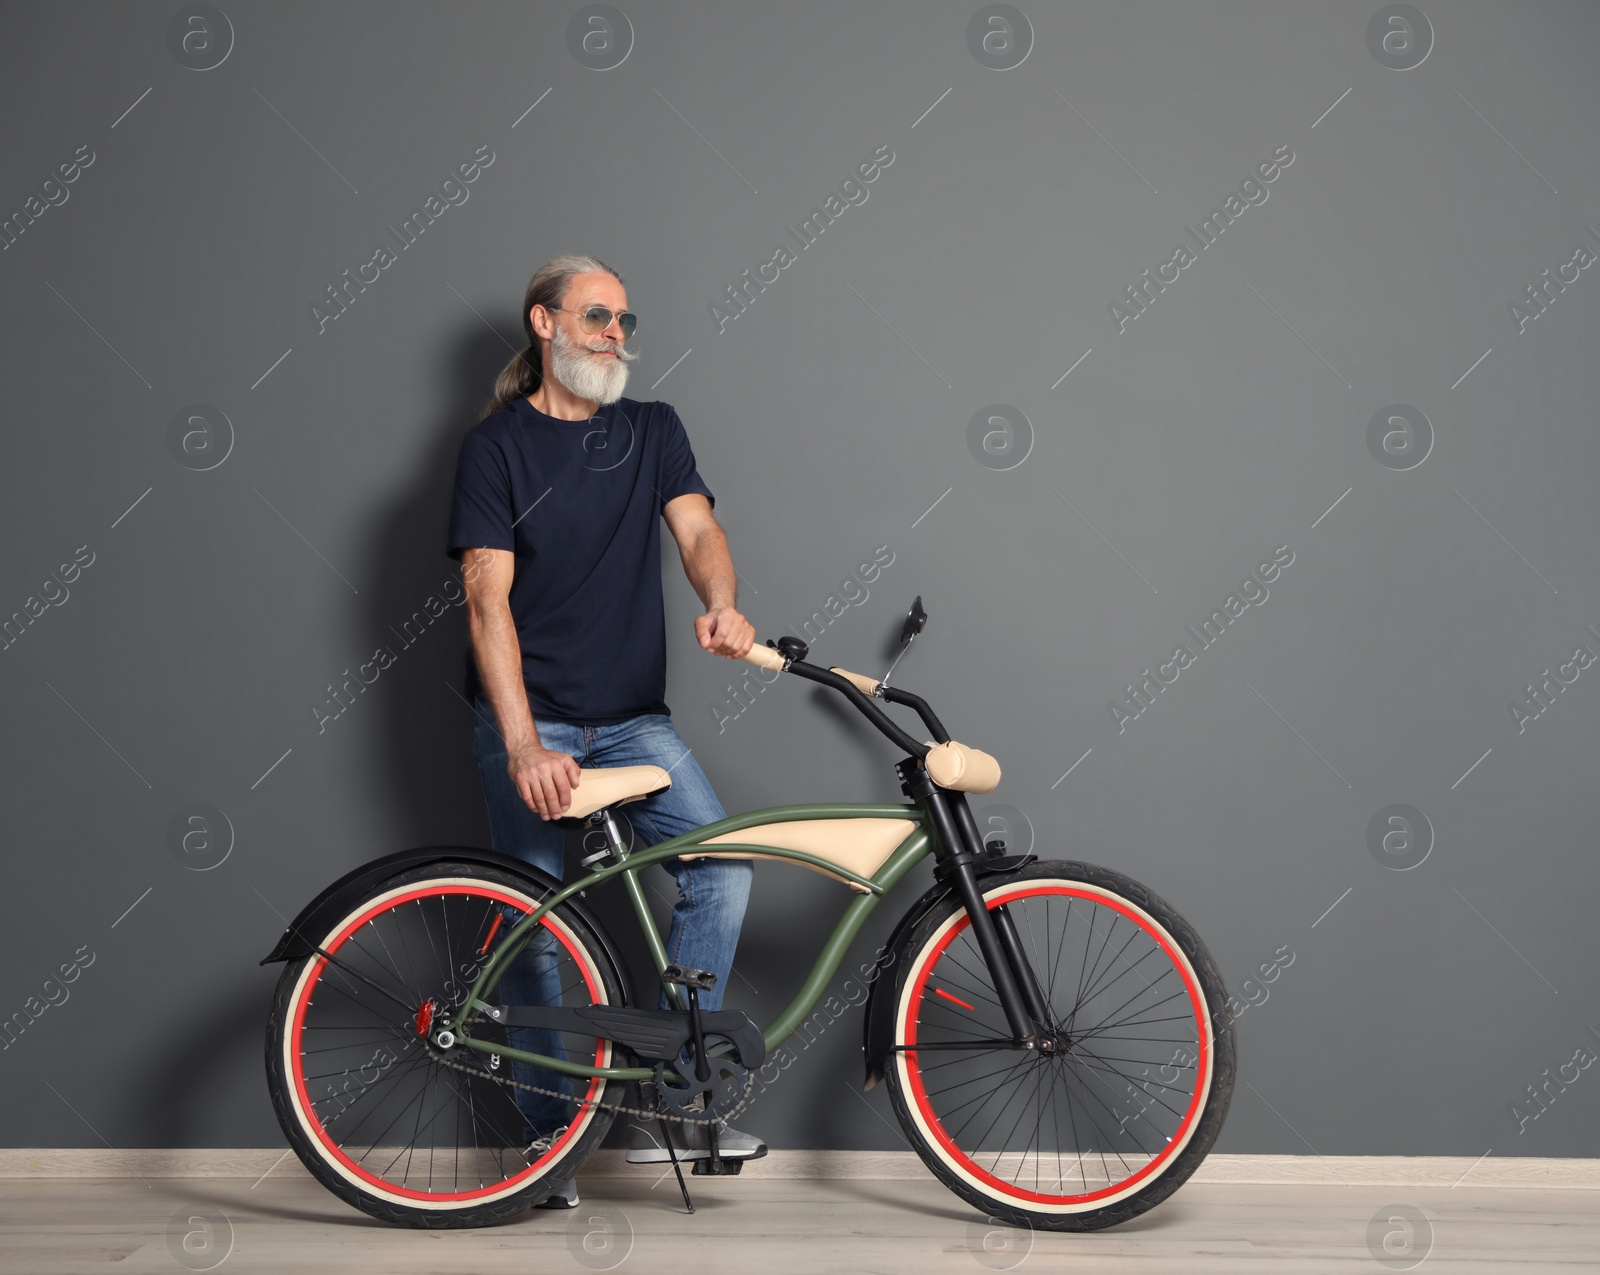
(916, 621)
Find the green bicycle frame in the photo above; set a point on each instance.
(918, 843)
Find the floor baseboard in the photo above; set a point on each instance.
(1263, 1170)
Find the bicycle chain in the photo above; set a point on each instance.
(622, 1108)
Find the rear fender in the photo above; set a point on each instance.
(319, 916)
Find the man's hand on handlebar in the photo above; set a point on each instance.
(723, 631)
(544, 779)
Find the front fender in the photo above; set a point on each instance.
(878, 1021)
(319, 916)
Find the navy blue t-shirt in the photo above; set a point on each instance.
(579, 503)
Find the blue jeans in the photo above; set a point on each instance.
(712, 892)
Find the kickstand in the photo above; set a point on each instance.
(711, 1143)
(672, 1152)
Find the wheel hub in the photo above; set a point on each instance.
(1053, 1042)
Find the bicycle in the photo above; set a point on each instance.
(1055, 1037)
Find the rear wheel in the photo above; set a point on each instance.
(374, 1109)
(1130, 1088)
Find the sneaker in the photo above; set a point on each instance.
(538, 1146)
(690, 1141)
(564, 1196)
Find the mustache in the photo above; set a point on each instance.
(623, 355)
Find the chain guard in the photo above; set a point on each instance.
(729, 1081)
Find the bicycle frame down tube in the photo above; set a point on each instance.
(913, 848)
(849, 925)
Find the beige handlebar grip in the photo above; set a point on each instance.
(764, 657)
(964, 769)
(866, 685)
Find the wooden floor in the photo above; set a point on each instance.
(289, 1223)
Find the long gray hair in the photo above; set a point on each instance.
(548, 287)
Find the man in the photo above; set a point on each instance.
(555, 517)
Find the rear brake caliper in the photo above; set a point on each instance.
(425, 1018)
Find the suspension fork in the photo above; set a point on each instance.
(957, 852)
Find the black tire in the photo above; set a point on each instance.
(942, 995)
(370, 1002)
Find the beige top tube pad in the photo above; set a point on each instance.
(860, 845)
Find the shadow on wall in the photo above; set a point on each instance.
(421, 786)
(189, 1096)
(424, 778)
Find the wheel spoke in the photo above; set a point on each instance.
(1100, 955)
(444, 967)
(1140, 1084)
(411, 1067)
(980, 979)
(1086, 1090)
(1127, 968)
(972, 1080)
(355, 941)
(1129, 1001)
(334, 960)
(347, 953)
(1083, 970)
(1061, 947)
(983, 1100)
(1135, 1021)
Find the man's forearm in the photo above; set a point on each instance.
(499, 660)
(709, 567)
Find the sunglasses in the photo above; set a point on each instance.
(597, 319)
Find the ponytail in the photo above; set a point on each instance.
(518, 379)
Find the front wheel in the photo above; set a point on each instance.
(1130, 1088)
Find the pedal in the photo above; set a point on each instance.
(702, 980)
(694, 981)
(723, 1169)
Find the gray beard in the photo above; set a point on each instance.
(576, 368)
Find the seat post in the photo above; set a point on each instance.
(614, 845)
(619, 847)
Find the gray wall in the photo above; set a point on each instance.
(1433, 576)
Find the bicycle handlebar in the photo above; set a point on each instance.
(854, 687)
(767, 657)
(951, 765)
(866, 685)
